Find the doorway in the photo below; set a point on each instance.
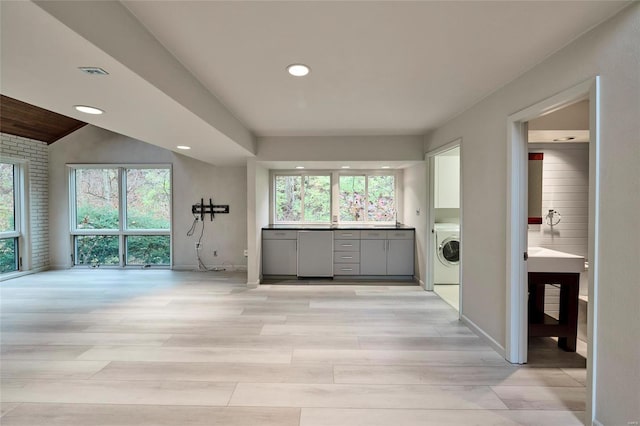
(516, 344)
(558, 222)
(445, 217)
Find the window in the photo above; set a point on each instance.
(302, 198)
(367, 198)
(121, 215)
(9, 217)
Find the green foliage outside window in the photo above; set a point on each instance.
(288, 198)
(97, 250)
(352, 198)
(8, 255)
(7, 198)
(148, 198)
(382, 207)
(294, 192)
(148, 207)
(317, 198)
(148, 250)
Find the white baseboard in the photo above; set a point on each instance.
(422, 283)
(231, 268)
(12, 275)
(596, 423)
(480, 332)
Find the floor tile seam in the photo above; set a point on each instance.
(63, 380)
(18, 404)
(143, 405)
(369, 385)
(502, 401)
(499, 410)
(334, 407)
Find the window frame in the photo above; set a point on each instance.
(302, 174)
(20, 208)
(367, 174)
(334, 200)
(123, 231)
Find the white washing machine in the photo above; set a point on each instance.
(446, 265)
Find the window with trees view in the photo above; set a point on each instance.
(121, 215)
(9, 226)
(307, 198)
(367, 198)
(302, 198)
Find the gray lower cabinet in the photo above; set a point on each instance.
(387, 253)
(400, 257)
(358, 252)
(346, 253)
(315, 254)
(279, 252)
(373, 257)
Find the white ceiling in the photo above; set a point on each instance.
(214, 71)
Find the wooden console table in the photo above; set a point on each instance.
(543, 325)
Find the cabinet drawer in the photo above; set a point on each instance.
(346, 235)
(346, 245)
(279, 235)
(346, 269)
(399, 235)
(373, 235)
(346, 257)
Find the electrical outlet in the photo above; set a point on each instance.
(245, 253)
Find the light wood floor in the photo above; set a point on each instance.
(151, 348)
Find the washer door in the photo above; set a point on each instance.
(449, 251)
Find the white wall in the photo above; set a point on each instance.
(192, 179)
(612, 51)
(35, 156)
(415, 200)
(341, 148)
(258, 216)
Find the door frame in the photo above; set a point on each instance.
(516, 235)
(431, 246)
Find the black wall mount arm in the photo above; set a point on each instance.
(208, 209)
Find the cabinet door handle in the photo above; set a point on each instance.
(346, 245)
(346, 269)
(347, 235)
(384, 245)
(347, 257)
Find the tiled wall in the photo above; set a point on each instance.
(37, 155)
(565, 188)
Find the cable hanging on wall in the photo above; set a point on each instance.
(199, 211)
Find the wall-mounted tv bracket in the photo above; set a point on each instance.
(209, 209)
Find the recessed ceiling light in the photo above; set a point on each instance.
(183, 147)
(385, 167)
(299, 167)
(298, 70)
(346, 167)
(565, 139)
(88, 109)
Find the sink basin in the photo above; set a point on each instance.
(546, 260)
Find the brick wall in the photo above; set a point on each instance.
(36, 153)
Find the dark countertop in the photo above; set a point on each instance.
(351, 227)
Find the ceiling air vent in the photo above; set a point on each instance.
(93, 70)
